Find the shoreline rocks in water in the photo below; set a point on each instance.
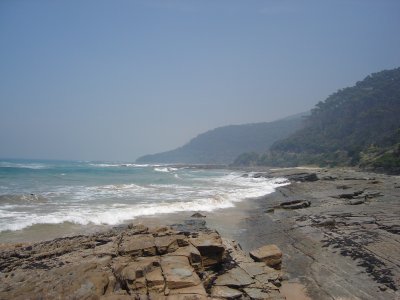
(136, 263)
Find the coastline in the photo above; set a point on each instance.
(343, 246)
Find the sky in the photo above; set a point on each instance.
(113, 80)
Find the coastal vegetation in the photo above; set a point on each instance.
(356, 126)
(222, 145)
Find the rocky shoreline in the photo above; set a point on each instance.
(184, 261)
(339, 230)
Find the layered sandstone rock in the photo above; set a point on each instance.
(271, 255)
(135, 263)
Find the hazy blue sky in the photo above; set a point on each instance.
(112, 80)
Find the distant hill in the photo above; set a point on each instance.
(358, 125)
(222, 145)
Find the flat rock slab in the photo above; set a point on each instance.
(268, 277)
(271, 255)
(235, 277)
(191, 253)
(138, 245)
(83, 281)
(256, 294)
(260, 294)
(106, 247)
(255, 268)
(139, 267)
(169, 243)
(178, 272)
(187, 297)
(197, 290)
(225, 292)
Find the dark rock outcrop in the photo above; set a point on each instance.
(198, 215)
(295, 204)
(303, 177)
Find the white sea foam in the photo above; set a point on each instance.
(103, 165)
(34, 166)
(116, 214)
(165, 169)
(90, 193)
(113, 204)
(135, 165)
(106, 165)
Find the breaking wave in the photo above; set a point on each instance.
(33, 166)
(112, 204)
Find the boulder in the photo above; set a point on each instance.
(210, 247)
(136, 229)
(271, 255)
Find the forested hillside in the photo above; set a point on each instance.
(222, 145)
(358, 125)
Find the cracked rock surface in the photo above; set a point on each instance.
(345, 244)
(136, 263)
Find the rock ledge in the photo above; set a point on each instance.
(136, 263)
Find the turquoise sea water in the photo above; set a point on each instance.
(80, 192)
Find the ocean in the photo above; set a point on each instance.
(85, 193)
